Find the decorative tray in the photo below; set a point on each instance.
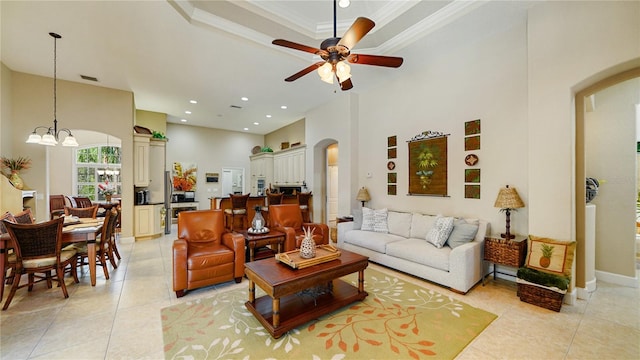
(324, 253)
(264, 230)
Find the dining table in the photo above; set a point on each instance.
(80, 231)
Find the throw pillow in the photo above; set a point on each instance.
(368, 219)
(462, 233)
(550, 256)
(380, 221)
(440, 231)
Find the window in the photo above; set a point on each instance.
(95, 165)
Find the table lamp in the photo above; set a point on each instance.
(363, 195)
(508, 199)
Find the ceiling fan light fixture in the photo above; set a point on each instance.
(343, 71)
(326, 73)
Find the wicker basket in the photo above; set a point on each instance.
(506, 252)
(542, 297)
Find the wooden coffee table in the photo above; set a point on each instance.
(297, 296)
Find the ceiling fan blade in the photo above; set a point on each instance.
(304, 71)
(296, 46)
(378, 60)
(357, 31)
(346, 85)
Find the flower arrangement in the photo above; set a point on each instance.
(106, 189)
(15, 165)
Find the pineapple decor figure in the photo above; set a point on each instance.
(308, 246)
(547, 252)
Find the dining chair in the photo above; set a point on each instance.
(85, 212)
(238, 210)
(38, 249)
(116, 228)
(10, 257)
(56, 205)
(103, 251)
(303, 201)
(24, 217)
(272, 199)
(82, 201)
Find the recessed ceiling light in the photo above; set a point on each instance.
(268, 116)
(187, 112)
(246, 129)
(244, 98)
(183, 120)
(344, 3)
(193, 101)
(283, 107)
(256, 123)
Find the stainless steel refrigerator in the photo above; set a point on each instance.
(168, 190)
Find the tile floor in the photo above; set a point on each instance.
(120, 318)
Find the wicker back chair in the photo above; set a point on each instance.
(38, 249)
(24, 217)
(113, 246)
(85, 212)
(238, 210)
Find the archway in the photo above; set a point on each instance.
(581, 166)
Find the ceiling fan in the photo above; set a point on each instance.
(336, 52)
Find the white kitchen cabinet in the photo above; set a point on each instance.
(289, 167)
(141, 144)
(261, 169)
(148, 220)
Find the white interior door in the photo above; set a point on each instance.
(227, 182)
(332, 195)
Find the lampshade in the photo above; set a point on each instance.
(326, 73)
(343, 71)
(508, 198)
(363, 195)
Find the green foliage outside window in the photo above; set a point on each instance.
(97, 165)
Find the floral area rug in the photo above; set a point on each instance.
(398, 320)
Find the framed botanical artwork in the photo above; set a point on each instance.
(184, 176)
(428, 166)
(472, 175)
(391, 189)
(472, 143)
(472, 127)
(392, 178)
(392, 153)
(472, 191)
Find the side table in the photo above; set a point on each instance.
(505, 252)
(255, 242)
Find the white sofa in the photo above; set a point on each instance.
(458, 264)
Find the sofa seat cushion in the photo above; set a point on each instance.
(371, 240)
(206, 255)
(421, 252)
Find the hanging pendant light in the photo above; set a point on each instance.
(50, 138)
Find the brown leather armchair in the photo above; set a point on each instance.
(287, 218)
(204, 253)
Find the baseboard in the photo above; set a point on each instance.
(583, 293)
(127, 240)
(617, 279)
(570, 297)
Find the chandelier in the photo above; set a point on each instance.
(50, 138)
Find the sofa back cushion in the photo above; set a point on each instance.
(420, 225)
(399, 223)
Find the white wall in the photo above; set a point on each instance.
(210, 150)
(519, 80)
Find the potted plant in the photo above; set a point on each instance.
(14, 166)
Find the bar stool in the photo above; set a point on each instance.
(238, 209)
(303, 201)
(272, 199)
